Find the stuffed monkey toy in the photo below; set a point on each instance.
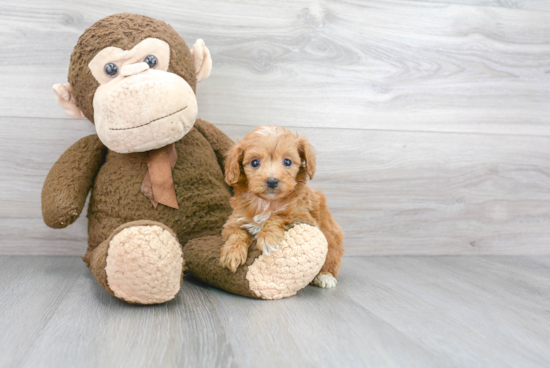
(156, 172)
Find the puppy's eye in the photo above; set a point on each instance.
(255, 163)
(111, 70)
(287, 162)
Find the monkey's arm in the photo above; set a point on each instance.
(217, 139)
(69, 181)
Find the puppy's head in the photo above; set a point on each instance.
(270, 161)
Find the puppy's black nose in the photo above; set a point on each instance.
(272, 183)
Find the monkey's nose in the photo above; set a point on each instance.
(128, 70)
(272, 183)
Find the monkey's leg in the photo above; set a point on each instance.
(276, 275)
(141, 262)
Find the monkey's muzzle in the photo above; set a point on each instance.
(144, 111)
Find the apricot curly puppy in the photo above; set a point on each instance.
(268, 171)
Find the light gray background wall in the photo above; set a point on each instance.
(431, 119)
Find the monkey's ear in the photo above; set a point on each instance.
(64, 96)
(233, 161)
(202, 59)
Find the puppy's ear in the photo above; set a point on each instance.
(233, 162)
(307, 154)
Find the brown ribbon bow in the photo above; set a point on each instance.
(158, 184)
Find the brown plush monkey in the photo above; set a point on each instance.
(154, 169)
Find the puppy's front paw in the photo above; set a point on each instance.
(325, 280)
(233, 254)
(268, 242)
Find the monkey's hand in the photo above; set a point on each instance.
(69, 181)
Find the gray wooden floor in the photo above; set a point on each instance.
(451, 311)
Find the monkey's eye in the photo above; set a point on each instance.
(111, 70)
(151, 60)
(287, 162)
(255, 163)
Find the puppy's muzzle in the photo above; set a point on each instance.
(272, 183)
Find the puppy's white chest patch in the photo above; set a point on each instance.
(254, 225)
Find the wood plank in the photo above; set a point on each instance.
(397, 65)
(385, 312)
(31, 292)
(393, 192)
(540, 5)
(85, 326)
(334, 330)
(465, 308)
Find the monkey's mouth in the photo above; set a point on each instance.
(152, 121)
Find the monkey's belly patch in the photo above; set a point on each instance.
(282, 273)
(144, 265)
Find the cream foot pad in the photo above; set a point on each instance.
(144, 265)
(282, 273)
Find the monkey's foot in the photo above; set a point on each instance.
(143, 263)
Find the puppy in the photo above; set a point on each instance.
(268, 171)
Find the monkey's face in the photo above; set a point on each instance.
(139, 105)
(134, 77)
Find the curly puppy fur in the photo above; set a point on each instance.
(268, 170)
